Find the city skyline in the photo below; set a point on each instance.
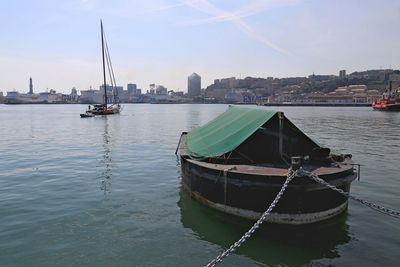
(163, 42)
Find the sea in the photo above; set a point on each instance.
(106, 191)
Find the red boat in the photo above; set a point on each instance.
(390, 100)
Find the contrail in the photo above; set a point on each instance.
(219, 15)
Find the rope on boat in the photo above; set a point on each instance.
(376, 207)
(291, 174)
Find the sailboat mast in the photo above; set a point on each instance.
(104, 66)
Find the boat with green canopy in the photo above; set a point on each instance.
(238, 162)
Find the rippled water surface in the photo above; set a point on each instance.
(106, 191)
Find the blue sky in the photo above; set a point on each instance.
(57, 43)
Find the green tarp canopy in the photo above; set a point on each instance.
(226, 132)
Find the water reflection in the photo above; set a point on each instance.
(106, 161)
(270, 245)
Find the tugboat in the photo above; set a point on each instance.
(104, 109)
(238, 162)
(390, 100)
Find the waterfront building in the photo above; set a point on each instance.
(342, 74)
(97, 96)
(331, 99)
(165, 97)
(132, 88)
(161, 90)
(352, 94)
(240, 96)
(15, 97)
(51, 97)
(73, 97)
(92, 96)
(152, 90)
(373, 95)
(122, 95)
(109, 88)
(194, 85)
(351, 89)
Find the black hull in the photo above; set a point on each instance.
(85, 115)
(248, 195)
(101, 111)
(105, 113)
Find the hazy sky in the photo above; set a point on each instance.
(57, 43)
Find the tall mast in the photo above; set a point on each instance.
(104, 68)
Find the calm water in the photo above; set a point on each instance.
(106, 191)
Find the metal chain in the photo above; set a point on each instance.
(247, 235)
(379, 208)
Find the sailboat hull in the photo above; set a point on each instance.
(106, 110)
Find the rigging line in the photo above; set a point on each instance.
(111, 72)
(111, 80)
(109, 60)
(114, 84)
(243, 155)
(226, 159)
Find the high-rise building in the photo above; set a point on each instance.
(342, 74)
(132, 88)
(109, 88)
(161, 90)
(153, 89)
(30, 86)
(194, 85)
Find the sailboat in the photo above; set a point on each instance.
(104, 108)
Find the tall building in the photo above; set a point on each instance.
(109, 88)
(30, 86)
(342, 74)
(132, 88)
(194, 85)
(152, 89)
(161, 90)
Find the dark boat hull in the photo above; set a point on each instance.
(102, 110)
(394, 107)
(249, 193)
(86, 115)
(387, 105)
(106, 112)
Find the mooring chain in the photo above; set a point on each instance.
(237, 244)
(379, 208)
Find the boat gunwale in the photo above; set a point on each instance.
(338, 168)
